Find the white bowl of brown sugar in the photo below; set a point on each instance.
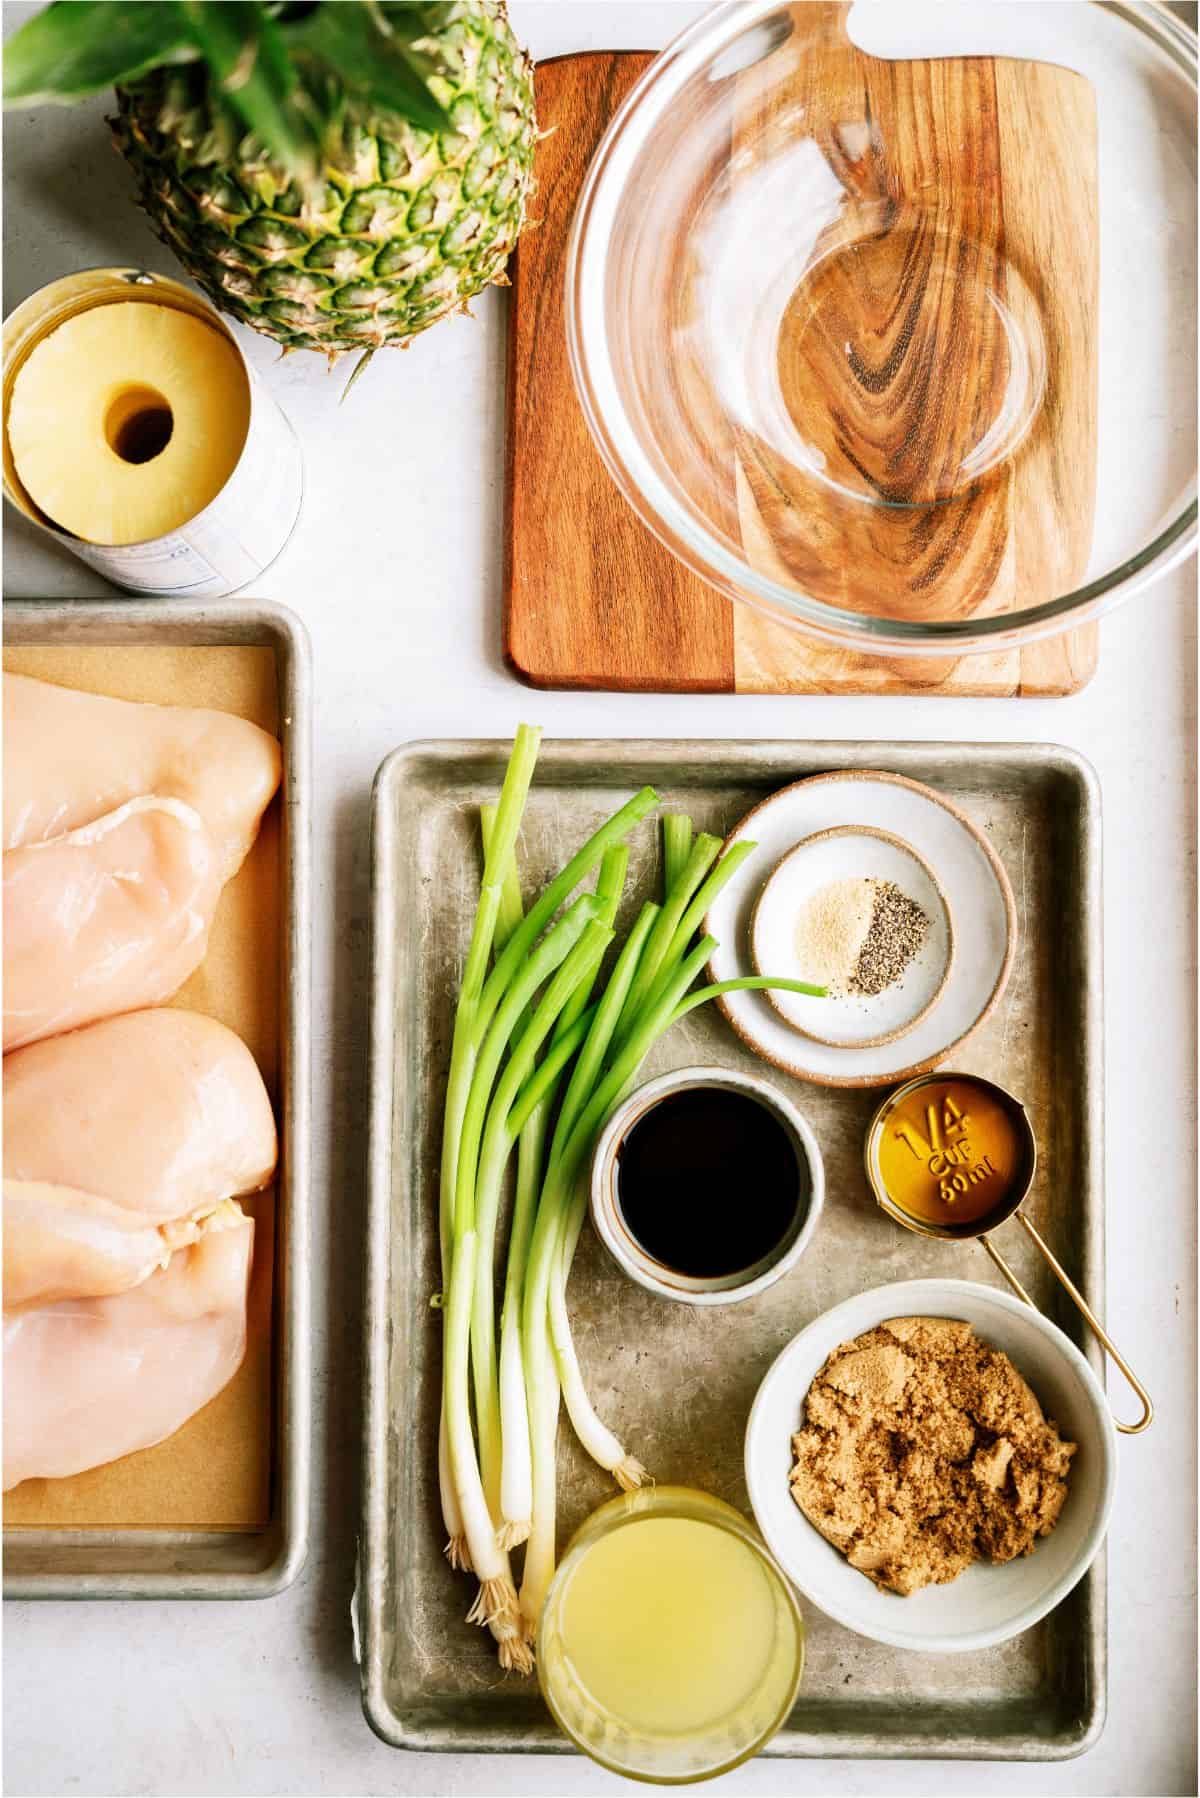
(933, 1464)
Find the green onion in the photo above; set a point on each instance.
(577, 869)
(704, 852)
(525, 1033)
(587, 1068)
(536, 967)
(513, 794)
(498, 1138)
(467, 1028)
(516, 1474)
(746, 983)
(677, 844)
(494, 1604)
(473, 1503)
(500, 1407)
(516, 1459)
(544, 1251)
(689, 921)
(599, 1441)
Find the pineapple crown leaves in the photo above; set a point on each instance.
(272, 65)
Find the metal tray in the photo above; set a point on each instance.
(677, 1383)
(113, 1563)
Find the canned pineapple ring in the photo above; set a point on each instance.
(238, 532)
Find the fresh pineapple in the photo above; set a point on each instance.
(338, 176)
(127, 420)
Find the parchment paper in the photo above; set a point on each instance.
(215, 1472)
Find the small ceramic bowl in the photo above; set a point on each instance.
(634, 1260)
(852, 852)
(988, 1603)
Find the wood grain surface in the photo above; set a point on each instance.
(591, 598)
(988, 183)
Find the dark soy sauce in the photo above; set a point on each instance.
(707, 1181)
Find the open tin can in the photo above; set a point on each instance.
(239, 533)
(985, 1203)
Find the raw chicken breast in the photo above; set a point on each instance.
(125, 1257)
(112, 916)
(61, 1243)
(89, 1380)
(162, 1112)
(70, 758)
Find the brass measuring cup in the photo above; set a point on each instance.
(1008, 1206)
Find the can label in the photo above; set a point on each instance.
(239, 533)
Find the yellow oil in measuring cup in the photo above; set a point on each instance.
(950, 1152)
(953, 1156)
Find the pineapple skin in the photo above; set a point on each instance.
(401, 228)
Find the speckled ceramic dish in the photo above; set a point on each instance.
(976, 892)
(852, 1020)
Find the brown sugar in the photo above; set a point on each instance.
(922, 1449)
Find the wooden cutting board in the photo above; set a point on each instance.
(593, 600)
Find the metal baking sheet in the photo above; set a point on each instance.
(677, 1383)
(114, 1563)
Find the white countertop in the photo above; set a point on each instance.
(395, 569)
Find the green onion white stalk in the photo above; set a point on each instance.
(455, 1548)
(516, 1459)
(596, 1437)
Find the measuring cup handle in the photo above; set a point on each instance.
(1064, 1279)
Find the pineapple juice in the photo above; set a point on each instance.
(670, 1647)
(669, 1624)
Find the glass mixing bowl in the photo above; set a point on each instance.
(836, 385)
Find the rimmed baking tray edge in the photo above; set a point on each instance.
(203, 1563)
(780, 761)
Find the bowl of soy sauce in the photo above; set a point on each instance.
(706, 1186)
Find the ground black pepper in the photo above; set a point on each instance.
(897, 929)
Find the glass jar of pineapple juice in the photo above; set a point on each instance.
(671, 1646)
